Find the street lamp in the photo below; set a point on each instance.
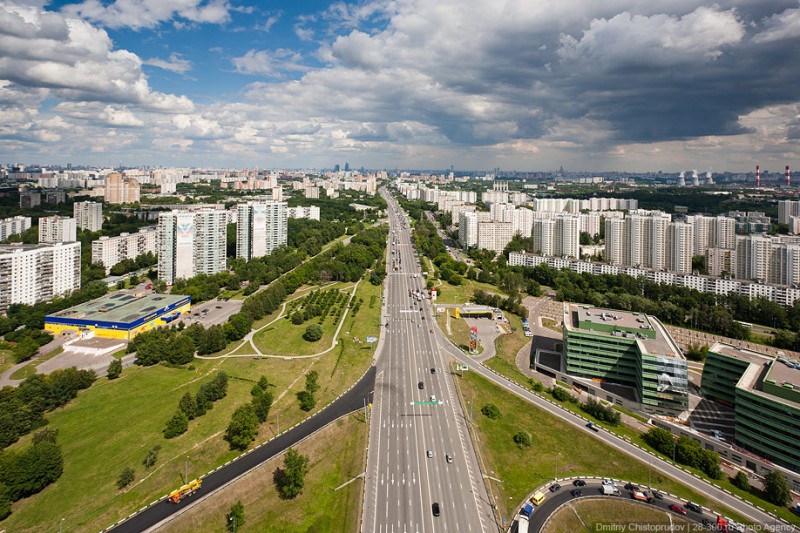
(555, 478)
(232, 520)
(61, 526)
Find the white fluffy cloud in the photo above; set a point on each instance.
(139, 14)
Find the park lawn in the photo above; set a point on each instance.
(285, 338)
(594, 512)
(336, 455)
(244, 349)
(508, 345)
(556, 446)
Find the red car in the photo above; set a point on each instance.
(677, 508)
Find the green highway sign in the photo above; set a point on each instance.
(426, 403)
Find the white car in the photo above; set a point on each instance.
(430, 453)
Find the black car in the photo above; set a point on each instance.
(657, 495)
(421, 385)
(631, 486)
(433, 370)
(693, 507)
(555, 487)
(579, 483)
(576, 493)
(435, 507)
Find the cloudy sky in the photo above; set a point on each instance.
(477, 84)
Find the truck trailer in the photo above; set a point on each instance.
(187, 490)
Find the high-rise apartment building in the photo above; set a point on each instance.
(191, 243)
(88, 215)
(680, 243)
(31, 273)
(567, 236)
(544, 236)
(120, 190)
(787, 209)
(712, 232)
(310, 212)
(494, 235)
(13, 226)
(468, 229)
(614, 237)
(57, 229)
(111, 250)
(261, 227)
(753, 254)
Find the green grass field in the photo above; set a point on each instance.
(589, 515)
(451, 294)
(336, 453)
(113, 424)
(508, 346)
(557, 449)
(30, 369)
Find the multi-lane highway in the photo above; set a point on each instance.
(416, 420)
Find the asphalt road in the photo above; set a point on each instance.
(658, 464)
(593, 490)
(351, 401)
(403, 482)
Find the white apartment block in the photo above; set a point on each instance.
(720, 261)
(680, 243)
(121, 190)
(260, 228)
(468, 229)
(13, 226)
(88, 215)
(590, 223)
(782, 294)
(311, 192)
(712, 232)
(277, 194)
(31, 273)
(794, 225)
(787, 209)
(574, 205)
(567, 236)
(753, 254)
(614, 237)
(544, 236)
(311, 212)
(57, 229)
(521, 219)
(191, 243)
(494, 235)
(111, 250)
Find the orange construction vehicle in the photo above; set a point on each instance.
(187, 490)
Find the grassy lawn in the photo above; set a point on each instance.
(508, 345)
(451, 294)
(574, 452)
(6, 360)
(549, 323)
(30, 369)
(336, 455)
(605, 511)
(113, 424)
(285, 338)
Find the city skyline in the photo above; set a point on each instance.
(517, 85)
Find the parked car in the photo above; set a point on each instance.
(579, 483)
(555, 487)
(677, 508)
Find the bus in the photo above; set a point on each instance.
(745, 324)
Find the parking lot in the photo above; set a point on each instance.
(212, 312)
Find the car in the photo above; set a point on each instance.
(421, 385)
(579, 483)
(430, 453)
(435, 508)
(218, 307)
(449, 458)
(608, 481)
(677, 509)
(433, 398)
(631, 486)
(555, 487)
(657, 495)
(576, 493)
(433, 370)
(693, 507)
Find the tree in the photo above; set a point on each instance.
(741, 481)
(523, 439)
(177, 425)
(25, 349)
(243, 427)
(114, 369)
(262, 402)
(313, 333)
(560, 394)
(307, 400)
(660, 440)
(188, 405)
(235, 518)
(777, 489)
(311, 381)
(297, 318)
(291, 479)
(491, 411)
(152, 457)
(125, 478)
(5, 501)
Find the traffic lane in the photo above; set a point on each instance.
(351, 401)
(661, 466)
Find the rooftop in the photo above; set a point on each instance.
(776, 377)
(645, 329)
(121, 306)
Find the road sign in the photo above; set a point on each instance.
(372, 339)
(426, 403)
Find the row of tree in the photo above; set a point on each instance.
(22, 409)
(194, 406)
(243, 427)
(686, 451)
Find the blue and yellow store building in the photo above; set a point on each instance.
(120, 315)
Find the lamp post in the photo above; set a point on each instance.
(61, 526)
(186, 470)
(555, 478)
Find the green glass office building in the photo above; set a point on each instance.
(630, 349)
(764, 392)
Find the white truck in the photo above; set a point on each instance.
(610, 490)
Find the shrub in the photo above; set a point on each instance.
(307, 400)
(777, 489)
(523, 439)
(601, 412)
(491, 411)
(313, 333)
(560, 394)
(243, 427)
(125, 478)
(177, 425)
(152, 457)
(741, 481)
(235, 518)
(114, 369)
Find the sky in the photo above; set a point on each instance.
(632, 85)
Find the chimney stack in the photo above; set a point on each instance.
(788, 177)
(758, 176)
